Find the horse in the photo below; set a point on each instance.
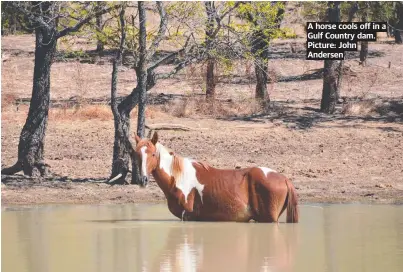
(196, 191)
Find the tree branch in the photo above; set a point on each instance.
(88, 18)
(170, 57)
(161, 31)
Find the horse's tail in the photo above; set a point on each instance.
(292, 203)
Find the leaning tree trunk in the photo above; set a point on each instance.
(32, 138)
(331, 69)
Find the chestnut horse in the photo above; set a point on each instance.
(198, 192)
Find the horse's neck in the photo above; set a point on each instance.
(164, 167)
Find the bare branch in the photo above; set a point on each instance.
(161, 31)
(171, 56)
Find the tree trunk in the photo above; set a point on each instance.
(100, 44)
(121, 157)
(261, 71)
(398, 36)
(13, 25)
(364, 44)
(364, 53)
(141, 71)
(210, 36)
(210, 79)
(99, 22)
(260, 51)
(331, 67)
(329, 92)
(398, 32)
(32, 138)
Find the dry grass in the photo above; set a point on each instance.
(200, 106)
(372, 107)
(93, 112)
(85, 112)
(360, 108)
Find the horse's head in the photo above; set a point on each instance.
(146, 152)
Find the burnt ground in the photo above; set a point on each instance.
(354, 155)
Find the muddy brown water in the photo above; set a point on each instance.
(146, 237)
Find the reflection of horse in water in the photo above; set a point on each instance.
(228, 247)
(198, 192)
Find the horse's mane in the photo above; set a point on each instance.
(177, 167)
(177, 162)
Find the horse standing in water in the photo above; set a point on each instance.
(198, 192)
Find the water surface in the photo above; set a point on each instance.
(146, 237)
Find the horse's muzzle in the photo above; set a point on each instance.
(144, 181)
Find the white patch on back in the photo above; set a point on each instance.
(188, 180)
(144, 161)
(267, 170)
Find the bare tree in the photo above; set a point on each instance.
(146, 79)
(46, 19)
(331, 67)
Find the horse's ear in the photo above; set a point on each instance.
(138, 139)
(154, 140)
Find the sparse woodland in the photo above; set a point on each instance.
(224, 82)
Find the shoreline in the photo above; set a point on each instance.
(22, 191)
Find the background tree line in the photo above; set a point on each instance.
(202, 32)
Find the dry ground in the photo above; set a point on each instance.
(353, 155)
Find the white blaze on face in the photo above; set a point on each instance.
(189, 180)
(267, 170)
(143, 161)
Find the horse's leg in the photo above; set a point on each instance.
(267, 196)
(188, 203)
